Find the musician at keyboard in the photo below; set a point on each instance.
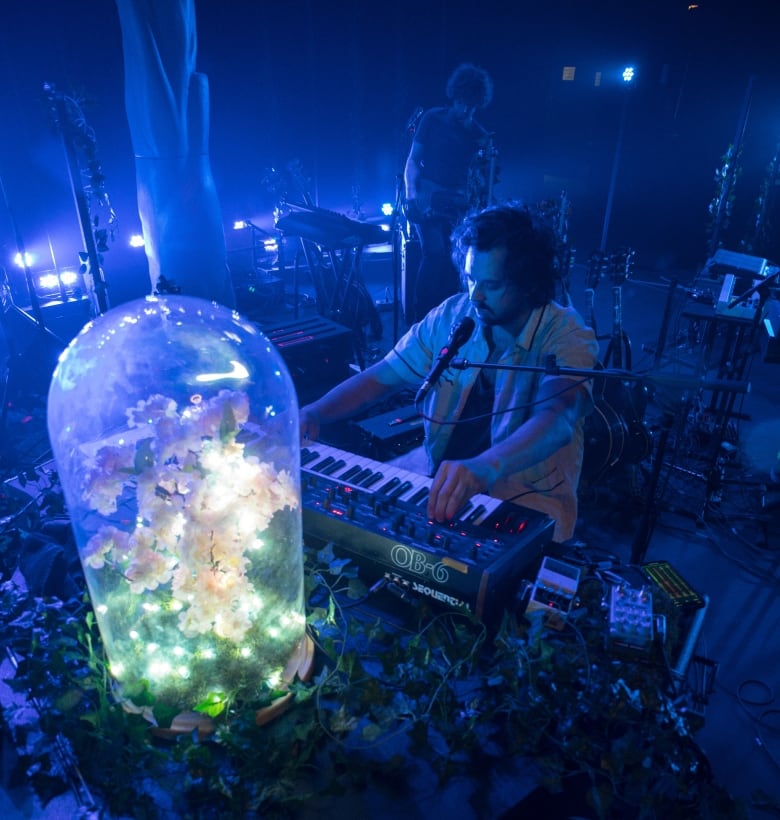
(510, 434)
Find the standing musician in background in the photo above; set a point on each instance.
(436, 178)
(513, 434)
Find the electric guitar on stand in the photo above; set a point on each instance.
(615, 432)
(605, 430)
(628, 398)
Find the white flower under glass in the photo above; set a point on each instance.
(174, 425)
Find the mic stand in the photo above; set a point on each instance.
(549, 368)
(395, 233)
(649, 515)
(398, 233)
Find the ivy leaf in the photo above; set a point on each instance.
(337, 565)
(371, 732)
(164, 714)
(25, 621)
(356, 589)
(140, 694)
(325, 555)
(213, 705)
(341, 721)
(69, 699)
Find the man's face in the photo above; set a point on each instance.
(464, 112)
(498, 301)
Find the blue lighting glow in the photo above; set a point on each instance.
(28, 259)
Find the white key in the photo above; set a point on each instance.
(398, 475)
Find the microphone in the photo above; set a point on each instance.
(411, 126)
(459, 334)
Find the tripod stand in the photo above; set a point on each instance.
(22, 330)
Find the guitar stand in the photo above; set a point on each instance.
(25, 338)
(738, 335)
(341, 293)
(17, 325)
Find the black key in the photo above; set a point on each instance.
(308, 456)
(372, 479)
(391, 485)
(349, 473)
(420, 496)
(479, 511)
(402, 488)
(364, 474)
(337, 465)
(322, 465)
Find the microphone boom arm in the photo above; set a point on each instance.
(550, 368)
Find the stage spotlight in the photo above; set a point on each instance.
(48, 281)
(64, 284)
(23, 263)
(629, 72)
(387, 208)
(137, 241)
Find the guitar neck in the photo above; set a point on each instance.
(590, 307)
(617, 327)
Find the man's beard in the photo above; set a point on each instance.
(488, 317)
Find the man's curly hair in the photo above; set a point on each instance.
(471, 85)
(531, 260)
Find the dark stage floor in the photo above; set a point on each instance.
(713, 463)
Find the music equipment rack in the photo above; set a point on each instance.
(374, 514)
(332, 246)
(330, 228)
